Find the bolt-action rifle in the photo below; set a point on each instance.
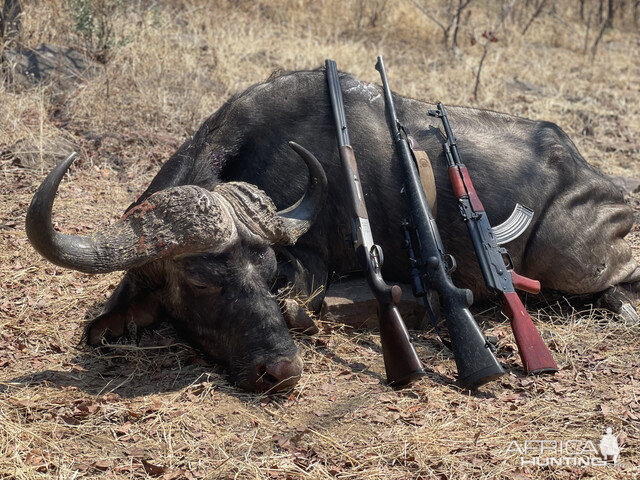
(495, 262)
(400, 359)
(431, 267)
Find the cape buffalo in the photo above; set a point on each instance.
(204, 246)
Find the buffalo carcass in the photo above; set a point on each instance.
(201, 248)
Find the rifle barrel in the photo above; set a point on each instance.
(388, 98)
(336, 103)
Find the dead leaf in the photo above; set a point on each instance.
(388, 398)
(283, 442)
(173, 474)
(559, 389)
(512, 397)
(604, 409)
(136, 452)
(102, 465)
(124, 429)
(40, 460)
(519, 476)
(153, 470)
(69, 420)
(24, 403)
(86, 407)
(82, 467)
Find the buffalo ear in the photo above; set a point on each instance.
(128, 308)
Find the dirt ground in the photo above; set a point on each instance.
(158, 409)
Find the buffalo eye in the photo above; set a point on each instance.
(202, 286)
(265, 260)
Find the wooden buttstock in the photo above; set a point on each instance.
(401, 361)
(535, 355)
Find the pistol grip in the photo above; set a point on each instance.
(525, 284)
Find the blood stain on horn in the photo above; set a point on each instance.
(139, 210)
(160, 243)
(142, 246)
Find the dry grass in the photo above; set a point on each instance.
(156, 409)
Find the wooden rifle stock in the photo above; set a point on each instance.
(401, 362)
(535, 356)
(525, 284)
(400, 358)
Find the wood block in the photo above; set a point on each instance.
(351, 302)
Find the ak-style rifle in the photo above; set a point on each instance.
(494, 260)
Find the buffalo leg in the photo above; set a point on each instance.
(302, 277)
(127, 309)
(618, 300)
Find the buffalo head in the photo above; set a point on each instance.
(202, 258)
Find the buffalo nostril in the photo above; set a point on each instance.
(266, 378)
(279, 375)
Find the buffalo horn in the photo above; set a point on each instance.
(255, 210)
(299, 217)
(172, 222)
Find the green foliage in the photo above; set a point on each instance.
(93, 21)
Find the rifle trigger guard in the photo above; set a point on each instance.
(376, 257)
(450, 264)
(508, 262)
(514, 226)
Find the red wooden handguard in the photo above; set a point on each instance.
(463, 186)
(535, 355)
(525, 284)
(457, 184)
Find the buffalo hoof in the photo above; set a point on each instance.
(275, 376)
(619, 302)
(106, 328)
(298, 320)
